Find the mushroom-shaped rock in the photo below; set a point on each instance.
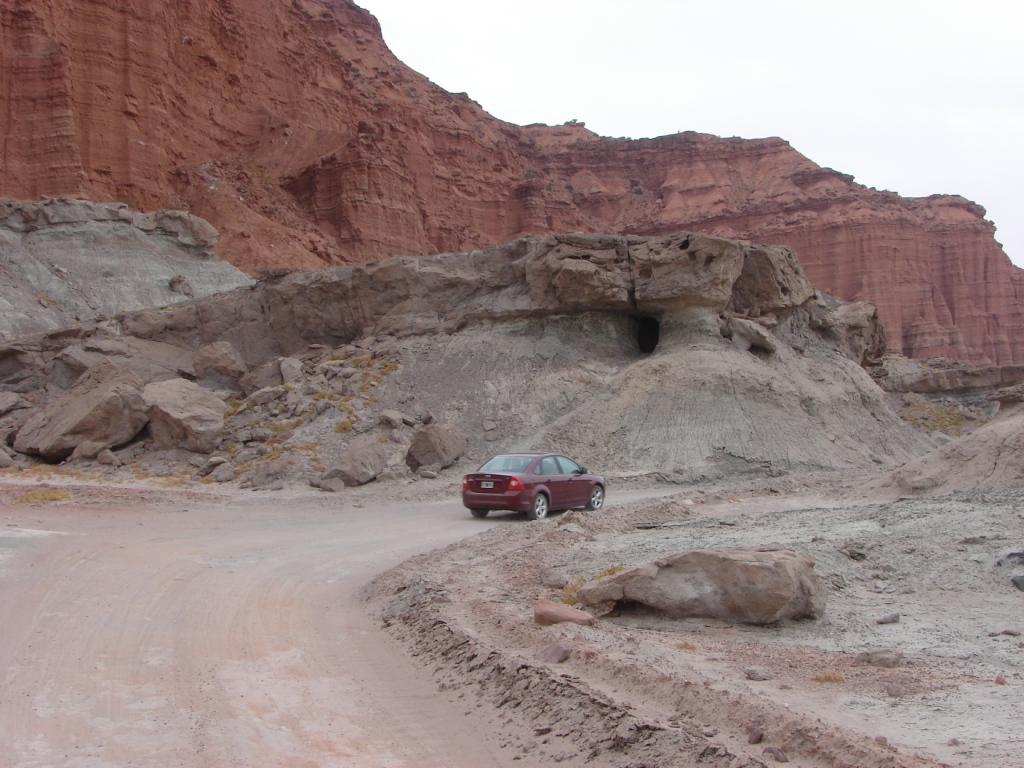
(743, 585)
(184, 415)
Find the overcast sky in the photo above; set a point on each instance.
(915, 97)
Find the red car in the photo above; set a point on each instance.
(534, 483)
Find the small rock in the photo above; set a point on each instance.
(555, 653)
(954, 742)
(427, 474)
(544, 730)
(853, 551)
(5, 460)
(881, 657)
(709, 732)
(1000, 680)
(889, 618)
(392, 419)
(1018, 582)
(546, 612)
(776, 754)
(554, 578)
(108, 458)
(223, 473)
(974, 540)
(1007, 632)
(754, 735)
(291, 370)
(881, 741)
(896, 691)
(757, 674)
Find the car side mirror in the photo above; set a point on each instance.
(581, 471)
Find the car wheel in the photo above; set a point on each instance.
(479, 513)
(596, 498)
(540, 507)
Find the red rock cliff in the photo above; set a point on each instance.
(292, 127)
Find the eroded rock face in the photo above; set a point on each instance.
(184, 415)
(683, 279)
(368, 128)
(742, 585)
(104, 407)
(64, 261)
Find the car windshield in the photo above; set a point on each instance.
(507, 464)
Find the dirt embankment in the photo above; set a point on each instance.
(641, 690)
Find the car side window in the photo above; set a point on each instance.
(548, 466)
(568, 465)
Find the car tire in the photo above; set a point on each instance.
(480, 514)
(596, 500)
(540, 508)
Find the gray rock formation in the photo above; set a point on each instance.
(742, 585)
(184, 415)
(65, 261)
(104, 407)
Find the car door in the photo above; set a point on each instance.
(576, 485)
(556, 481)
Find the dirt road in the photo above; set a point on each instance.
(218, 634)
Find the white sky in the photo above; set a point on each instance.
(915, 97)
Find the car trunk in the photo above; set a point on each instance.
(483, 482)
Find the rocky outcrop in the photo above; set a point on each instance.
(760, 586)
(183, 415)
(335, 151)
(896, 373)
(680, 280)
(105, 407)
(654, 355)
(65, 261)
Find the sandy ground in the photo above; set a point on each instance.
(156, 627)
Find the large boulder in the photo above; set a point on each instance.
(219, 364)
(435, 445)
(360, 463)
(184, 415)
(105, 406)
(743, 585)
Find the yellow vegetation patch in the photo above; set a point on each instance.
(42, 495)
(829, 677)
(344, 425)
(686, 646)
(571, 591)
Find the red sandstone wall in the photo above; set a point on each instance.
(293, 129)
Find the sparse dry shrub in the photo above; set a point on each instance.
(935, 417)
(42, 496)
(686, 646)
(361, 361)
(829, 677)
(571, 591)
(343, 425)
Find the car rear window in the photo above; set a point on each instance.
(507, 464)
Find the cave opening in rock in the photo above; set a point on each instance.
(648, 332)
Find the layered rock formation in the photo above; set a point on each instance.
(683, 355)
(296, 132)
(67, 261)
